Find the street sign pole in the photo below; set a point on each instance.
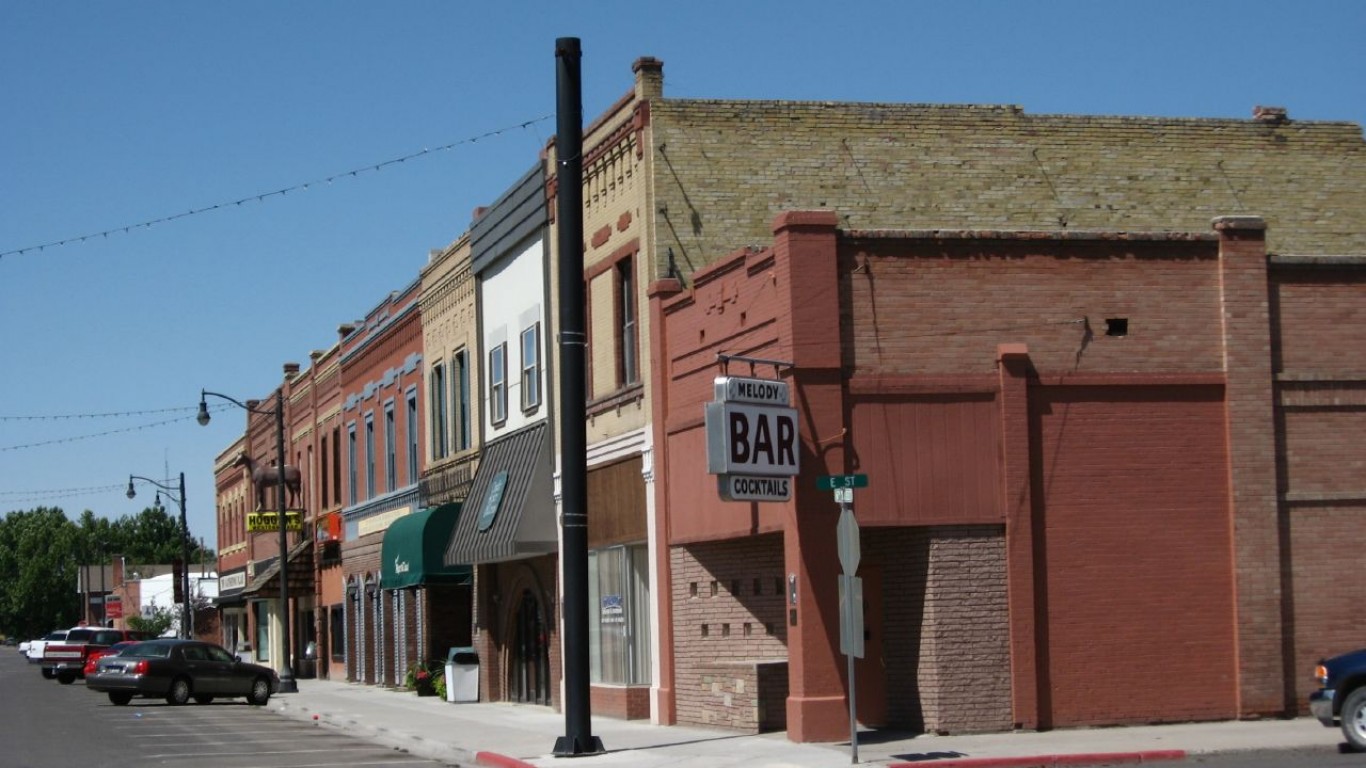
(847, 535)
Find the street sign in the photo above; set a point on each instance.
(846, 532)
(835, 482)
(844, 495)
(851, 616)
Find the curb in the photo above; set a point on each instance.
(495, 760)
(1050, 761)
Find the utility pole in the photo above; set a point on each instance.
(578, 739)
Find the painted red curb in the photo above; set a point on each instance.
(1050, 761)
(495, 760)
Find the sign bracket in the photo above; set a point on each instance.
(778, 365)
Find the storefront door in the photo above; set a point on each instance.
(531, 654)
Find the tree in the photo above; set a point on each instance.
(39, 554)
(156, 624)
(42, 551)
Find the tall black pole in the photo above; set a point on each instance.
(287, 684)
(578, 738)
(184, 565)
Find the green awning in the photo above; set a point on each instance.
(414, 547)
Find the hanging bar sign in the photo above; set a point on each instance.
(752, 439)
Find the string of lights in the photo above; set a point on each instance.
(60, 493)
(262, 197)
(78, 438)
(108, 415)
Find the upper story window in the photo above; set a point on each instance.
(337, 465)
(628, 367)
(460, 381)
(531, 367)
(323, 472)
(437, 394)
(390, 448)
(412, 435)
(498, 384)
(351, 459)
(369, 456)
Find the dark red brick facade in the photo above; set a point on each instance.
(1072, 444)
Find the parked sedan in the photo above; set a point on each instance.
(180, 670)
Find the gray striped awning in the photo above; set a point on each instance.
(510, 511)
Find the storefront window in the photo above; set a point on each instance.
(262, 631)
(619, 633)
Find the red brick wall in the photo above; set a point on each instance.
(935, 458)
(730, 615)
(1135, 542)
(1318, 311)
(626, 702)
(908, 315)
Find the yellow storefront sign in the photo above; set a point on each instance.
(262, 522)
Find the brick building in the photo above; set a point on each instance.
(314, 438)
(402, 607)
(508, 531)
(1015, 325)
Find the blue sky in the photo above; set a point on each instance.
(113, 115)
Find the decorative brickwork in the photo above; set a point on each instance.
(729, 620)
(946, 652)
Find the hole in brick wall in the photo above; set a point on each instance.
(1117, 326)
(748, 629)
(742, 318)
(706, 630)
(768, 627)
(692, 589)
(715, 589)
(702, 335)
(758, 586)
(735, 587)
(725, 630)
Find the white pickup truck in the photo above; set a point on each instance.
(34, 652)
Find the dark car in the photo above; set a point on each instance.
(1342, 696)
(180, 670)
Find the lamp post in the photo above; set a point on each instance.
(184, 576)
(287, 682)
(104, 596)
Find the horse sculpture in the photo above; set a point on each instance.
(263, 478)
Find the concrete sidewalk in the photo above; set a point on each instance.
(519, 735)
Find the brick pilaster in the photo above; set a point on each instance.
(1013, 368)
(1252, 463)
(805, 270)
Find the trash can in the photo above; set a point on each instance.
(462, 674)
(308, 665)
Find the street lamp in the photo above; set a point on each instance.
(179, 497)
(287, 683)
